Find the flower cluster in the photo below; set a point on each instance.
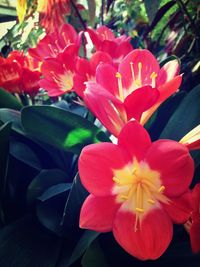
(138, 188)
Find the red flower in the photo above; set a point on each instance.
(137, 190)
(119, 92)
(52, 13)
(53, 44)
(17, 74)
(104, 40)
(193, 224)
(68, 72)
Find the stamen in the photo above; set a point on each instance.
(151, 201)
(140, 73)
(161, 189)
(124, 197)
(132, 71)
(119, 77)
(140, 210)
(153, 78)
(116, 180)
(139, 196)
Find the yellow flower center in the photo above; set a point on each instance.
(139, 188)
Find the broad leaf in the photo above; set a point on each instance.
(60, 128)
(44, 180)
(185, 118)
(26, 244)
(24, 153)
(14, 116)
(7, 100)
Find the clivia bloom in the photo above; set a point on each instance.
(137, 190)
(68, 71)
(17, 74)
(53, 44)
(135, 90)
(104, 40)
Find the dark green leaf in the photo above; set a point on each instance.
(54, 191)
(87, 238)
(50, 209)
(4, 153)
(74, 202)
(7, 100)
(44, 180)
(14, 116)
(94, 256)
(26, 244)
(60, 128)
(158, 121)
(185, 118)
(24, 153)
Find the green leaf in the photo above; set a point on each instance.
(51, 206)
(24, 153)
(44, 180)
(26, 244)
(4, 152)
(60, 128)
(87, 238)
(73, 204)
(4, 155)
(54, 191)
(94, 256)
(7, 100)
(14, 116)
(185, 118)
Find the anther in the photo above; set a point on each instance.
(139, 210)
(161, 189)
(153, 78)
(118, 75)
(116, 180)
(132, 71)
(124, 197)
(151, 201)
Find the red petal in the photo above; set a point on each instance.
(180, 208)
(96, 165)
(195, 236)
(174, 163)
(145, 96)
(97, 58)
(67, 35)
(105, 76)
(104, 33)
(134, 139)
(97, 213)
(108, 109)
(152, 238)
(149, 65)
